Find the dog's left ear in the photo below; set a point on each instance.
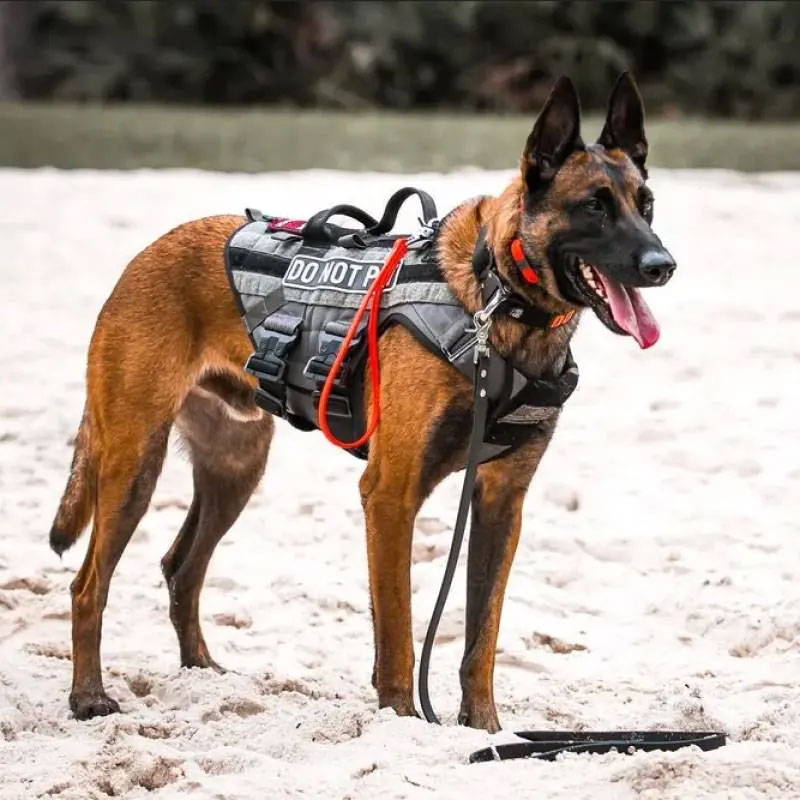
(554, 137)
(624, 128)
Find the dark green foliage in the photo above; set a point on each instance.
(133, 136)
(736, 59)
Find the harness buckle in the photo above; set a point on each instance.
(331, 339)
(425, 233)
(265, 366)
(274, 338)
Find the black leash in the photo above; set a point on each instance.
(483, 321)
(546, 745)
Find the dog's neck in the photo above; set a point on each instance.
(534, 350)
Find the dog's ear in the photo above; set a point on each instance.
(555, 135)
(624, 126)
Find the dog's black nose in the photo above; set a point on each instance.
(656, 266)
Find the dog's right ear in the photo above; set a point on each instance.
(555, 136)
(624, 126)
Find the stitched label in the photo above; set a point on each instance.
(352, 277)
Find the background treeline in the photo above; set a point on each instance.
(734, 59)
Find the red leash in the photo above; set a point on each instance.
(372, 299)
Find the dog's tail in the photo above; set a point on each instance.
(77, 504)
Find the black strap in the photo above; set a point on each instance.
(545, 391)
(317, 230)
(479, 414)
(394, 205)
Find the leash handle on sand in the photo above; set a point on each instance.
(548, 745)
(480, 412)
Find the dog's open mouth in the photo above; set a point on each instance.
(622, 309)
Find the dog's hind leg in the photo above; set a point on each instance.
(127, 472)
(228, 446)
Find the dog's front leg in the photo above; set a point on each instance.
(494, 533)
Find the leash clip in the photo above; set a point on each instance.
(482, 341)
(483, 324)
(482, 321)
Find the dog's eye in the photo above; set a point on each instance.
(600, 204)
(594, 205)
(646, 205)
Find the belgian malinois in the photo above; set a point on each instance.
(169, 346)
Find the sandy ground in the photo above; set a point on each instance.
(656, 585)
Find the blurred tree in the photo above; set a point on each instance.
(725, 58)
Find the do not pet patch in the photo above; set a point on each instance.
(341, 275)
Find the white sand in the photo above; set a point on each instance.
(677, 576)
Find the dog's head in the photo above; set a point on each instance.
(587, 211)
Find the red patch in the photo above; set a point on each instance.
(285, 224)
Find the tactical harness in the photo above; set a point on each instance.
(298, 285)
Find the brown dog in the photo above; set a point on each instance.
(583, 214)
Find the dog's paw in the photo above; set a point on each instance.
(401, 701)
(203, 661)
(86, 705)
(480, 716)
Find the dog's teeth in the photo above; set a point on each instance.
(590, 276)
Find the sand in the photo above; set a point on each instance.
(656, 584)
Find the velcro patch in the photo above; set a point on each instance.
(286, 224)
(352, 277)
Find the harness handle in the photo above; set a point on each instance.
(317, 230)
(395, 203)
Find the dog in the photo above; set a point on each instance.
(168, 350)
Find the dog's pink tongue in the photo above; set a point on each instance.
(631, 312)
